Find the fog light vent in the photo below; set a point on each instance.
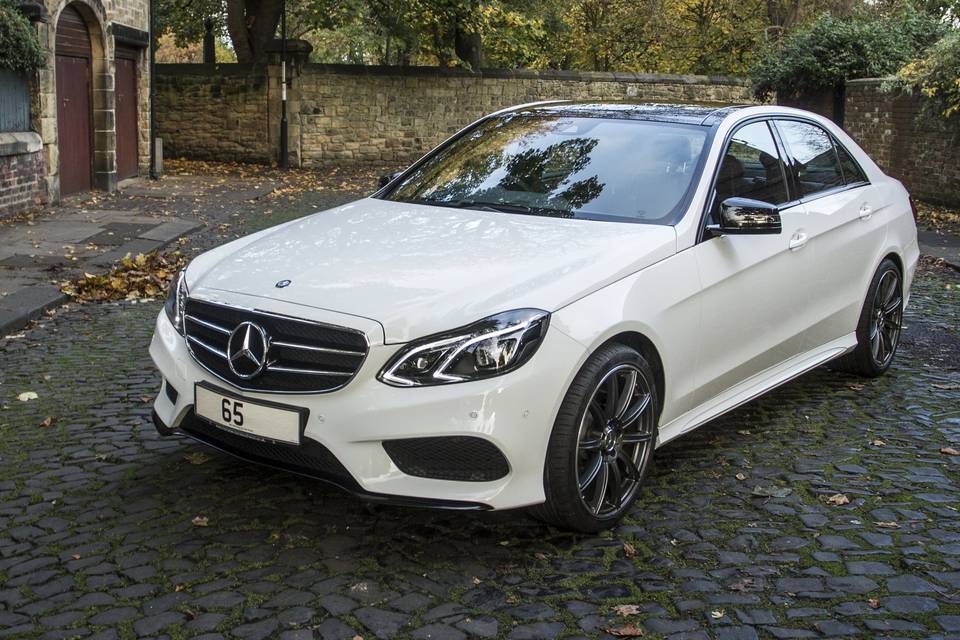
(172, 393)
(463, 458)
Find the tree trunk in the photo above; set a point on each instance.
(469, 48)
(252, 25)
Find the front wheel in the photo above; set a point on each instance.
(602, 442)
(881, 319)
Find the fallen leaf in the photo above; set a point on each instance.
(540, 555)
(837, 499)
(627, 610)
(629, 550)
(26, 396)
(75, 556)
(877, 442)
(744, 432)
(740, 477)
(179, 588)
(144, 277)
(772, 491)
(477, 580)
(856, 386)
(201, 521)
(887, 525)
(946, 387)
(626, 631)
(358, 637)
(197, 457)
(716, 614)
(873, 603)
(949, 451)
(47, 422)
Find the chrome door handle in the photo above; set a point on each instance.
(865, 211)
(798, 240)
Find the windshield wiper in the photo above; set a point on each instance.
(504, 207)
(499, 207)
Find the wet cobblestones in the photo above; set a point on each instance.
(98, 537)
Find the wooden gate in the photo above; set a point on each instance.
(126, 96)
(74, 112)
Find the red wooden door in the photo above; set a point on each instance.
(74, 113)
(126, 95)
(73, 124)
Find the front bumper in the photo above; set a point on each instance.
(515, 413)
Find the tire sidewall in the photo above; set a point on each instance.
(863, 327)
(562, 484)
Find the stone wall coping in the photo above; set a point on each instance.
(531, 74)
(867, 81)
(199, 69)
(19, 142)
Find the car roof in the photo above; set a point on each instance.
(701, 113)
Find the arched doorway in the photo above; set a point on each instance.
(74, 102)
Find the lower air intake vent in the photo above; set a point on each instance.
(463, 458)
(310, 458)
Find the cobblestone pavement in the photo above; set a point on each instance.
(109, 531)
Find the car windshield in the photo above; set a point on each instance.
(571, 167)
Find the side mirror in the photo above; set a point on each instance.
(743, 216)
(387, 178)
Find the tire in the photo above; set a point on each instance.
(610, 442)
(878, 330)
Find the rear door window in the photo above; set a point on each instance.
(813, 158)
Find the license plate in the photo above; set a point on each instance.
(254, 418)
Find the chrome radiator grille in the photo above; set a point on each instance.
(300, 356)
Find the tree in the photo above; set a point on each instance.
(936, 75)
(832, 50)
(20, 50)
(251, 25)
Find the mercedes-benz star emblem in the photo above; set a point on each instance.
(282, 284)
(247, 350)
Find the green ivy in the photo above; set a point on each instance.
(833, 49)
(20, 49)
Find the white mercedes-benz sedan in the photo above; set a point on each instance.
(522, 316)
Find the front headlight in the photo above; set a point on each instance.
(176, 300)
(490, 347)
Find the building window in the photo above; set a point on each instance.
(14, 101)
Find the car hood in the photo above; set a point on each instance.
(420, 269)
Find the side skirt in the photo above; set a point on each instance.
(754, 387)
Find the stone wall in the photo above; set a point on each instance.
(21, 173)
(213, 113)
(917, 148)
(374, 115)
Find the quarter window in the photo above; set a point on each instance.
(751, 168)
(852, 173)
(813, 160)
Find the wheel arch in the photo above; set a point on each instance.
(894, 257)
(646, 348)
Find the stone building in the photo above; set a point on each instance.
(88, 109)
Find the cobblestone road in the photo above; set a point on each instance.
(98, 536)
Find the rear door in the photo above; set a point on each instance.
(844, 224)
(754, 292)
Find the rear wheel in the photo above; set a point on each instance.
(602, 442)
(881, 319)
